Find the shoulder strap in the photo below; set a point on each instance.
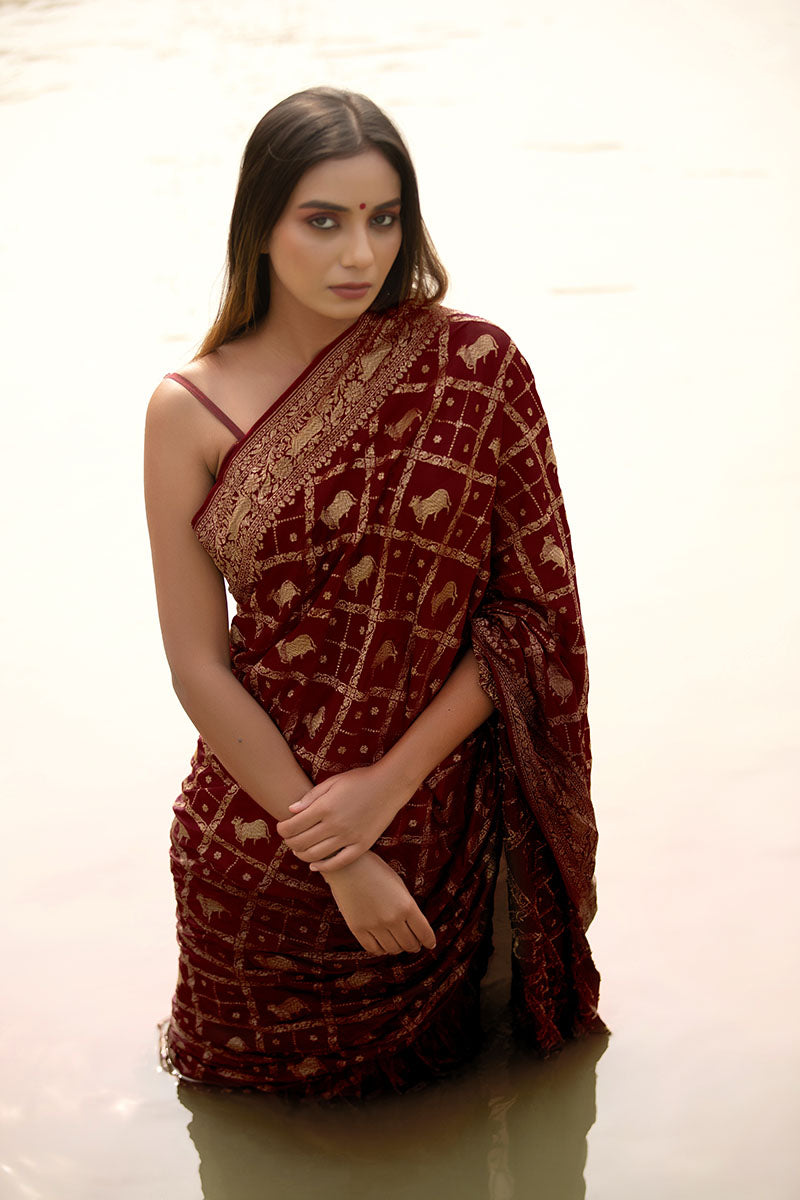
(209, 404)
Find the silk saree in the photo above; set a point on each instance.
(398, 504)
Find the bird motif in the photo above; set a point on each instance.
(553, 553)
(559, 683)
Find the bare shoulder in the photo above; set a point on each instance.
(172, 400)
(179, 457)
(169, 405)
(176, 418)
(220, 377)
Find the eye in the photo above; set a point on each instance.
(385, 220)
(320, 222)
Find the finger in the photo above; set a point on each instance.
(314, 793)
(341, 859)
(389, 942)
(301, 805)
(320, 850)
(407, 939)
(422, 930)
(371, 944)
(301, 843)
(298, 837)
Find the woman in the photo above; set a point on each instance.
(402, 691)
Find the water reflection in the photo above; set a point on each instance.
(505, 1127)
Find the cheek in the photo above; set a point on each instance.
(292, 249)
(391, 247)
(395, 252)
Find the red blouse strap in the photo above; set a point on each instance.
(209, 404)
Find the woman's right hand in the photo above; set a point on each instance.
(378, 908)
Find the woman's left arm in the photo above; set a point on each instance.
(456, 711)
(343, 816)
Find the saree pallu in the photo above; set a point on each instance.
(398, 504)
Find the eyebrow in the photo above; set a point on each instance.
(329, 207)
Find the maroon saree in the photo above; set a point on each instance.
(399, 503)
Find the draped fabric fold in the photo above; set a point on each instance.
(527, 634)
(397, 505)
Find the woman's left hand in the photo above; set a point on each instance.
(341, 818)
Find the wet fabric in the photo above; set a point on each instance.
(399, 503)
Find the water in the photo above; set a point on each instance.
(615, 185)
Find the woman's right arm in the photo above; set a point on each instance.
(192, 610)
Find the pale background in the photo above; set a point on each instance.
(616, 184)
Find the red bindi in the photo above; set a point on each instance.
(362, 206)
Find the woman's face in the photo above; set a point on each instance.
(336, 239)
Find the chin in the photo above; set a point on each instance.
(345, 309)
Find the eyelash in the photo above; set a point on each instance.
(327, 217)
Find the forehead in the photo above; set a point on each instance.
(362, 178)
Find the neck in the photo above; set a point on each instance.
(293, 333)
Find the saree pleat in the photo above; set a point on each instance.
(399, 504)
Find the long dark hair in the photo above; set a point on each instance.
(301, 131)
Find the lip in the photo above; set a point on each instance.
(351, 291)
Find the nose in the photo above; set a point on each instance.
(357, 249)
